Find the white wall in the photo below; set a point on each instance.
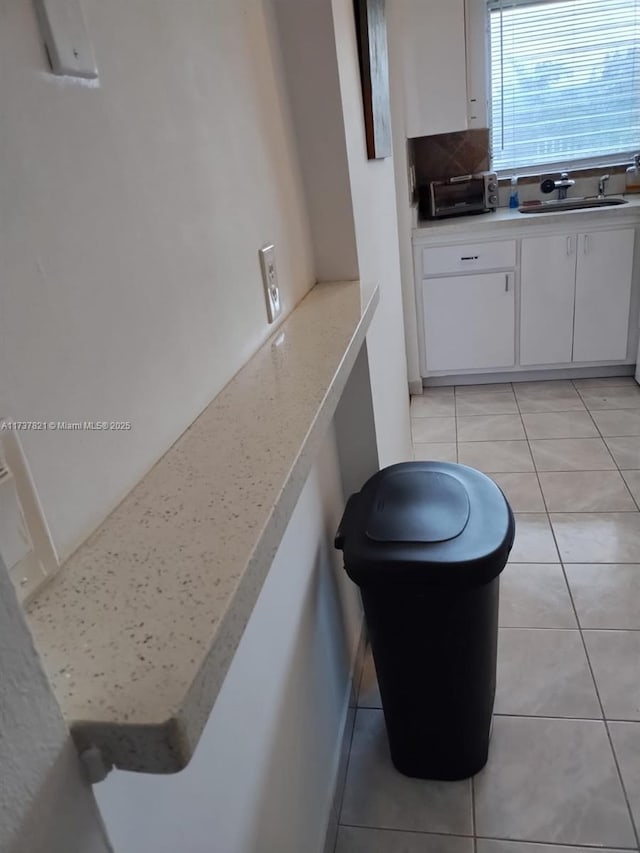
(395, 11)
(131, 218)
(351, 198)
(130, 223)
(376, 223)
(308, 44)
(45, 804)
(261, 778)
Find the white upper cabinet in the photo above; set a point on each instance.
(603, 292)
(434, 65)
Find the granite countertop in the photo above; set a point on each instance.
(509, 220)
(139, 627)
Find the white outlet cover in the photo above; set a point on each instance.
(41, 558)
(15, 542)
(270, 282)
(66, 38)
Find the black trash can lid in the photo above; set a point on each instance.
(418, 506)
(426, 522)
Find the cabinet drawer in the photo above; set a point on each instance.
(440, 260)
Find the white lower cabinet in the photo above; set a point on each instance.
(547, 289)
(569, 294)
(603, 292)
(575, 295)
(469, 321)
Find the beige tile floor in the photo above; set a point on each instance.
(564, 766)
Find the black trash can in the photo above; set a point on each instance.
(426, 542)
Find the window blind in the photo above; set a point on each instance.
(565, 81)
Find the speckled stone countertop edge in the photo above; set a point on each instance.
(195, 712)
(164, 743)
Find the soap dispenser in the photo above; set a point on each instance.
(633, 176)
(514, 200)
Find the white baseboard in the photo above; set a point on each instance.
(528, 375)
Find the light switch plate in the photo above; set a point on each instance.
(66, 38)
(270, 281)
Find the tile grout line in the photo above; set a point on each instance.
(340, 805)
(432, 834)
(552, 845)
(455, 426)
(419, 832)
(579, 562)
(572, 511)
(582, 639)
(473, 789)
(473, 813)
(505, 391)
(556, 717)
(600, 436)
(604, 716)
(586, 652)
(562, 564)
(615, 461)
(436, 417)
(547, 628)
(537, 473)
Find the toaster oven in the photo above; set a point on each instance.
(459, 196)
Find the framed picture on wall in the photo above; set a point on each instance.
(371, 28)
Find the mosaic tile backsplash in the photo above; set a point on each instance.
(449, 154)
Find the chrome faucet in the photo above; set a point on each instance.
(562, 185)
(602, 184)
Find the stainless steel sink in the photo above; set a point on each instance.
(572, 204)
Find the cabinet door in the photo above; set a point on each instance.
(603, 292)
(469, 321)
(547, 286)
(432, 47)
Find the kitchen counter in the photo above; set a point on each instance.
(507, 220)
(138, 629)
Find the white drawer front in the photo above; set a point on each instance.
(440, 260)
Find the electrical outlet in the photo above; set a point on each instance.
(270, 281)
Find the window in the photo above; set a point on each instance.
(565, 81)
